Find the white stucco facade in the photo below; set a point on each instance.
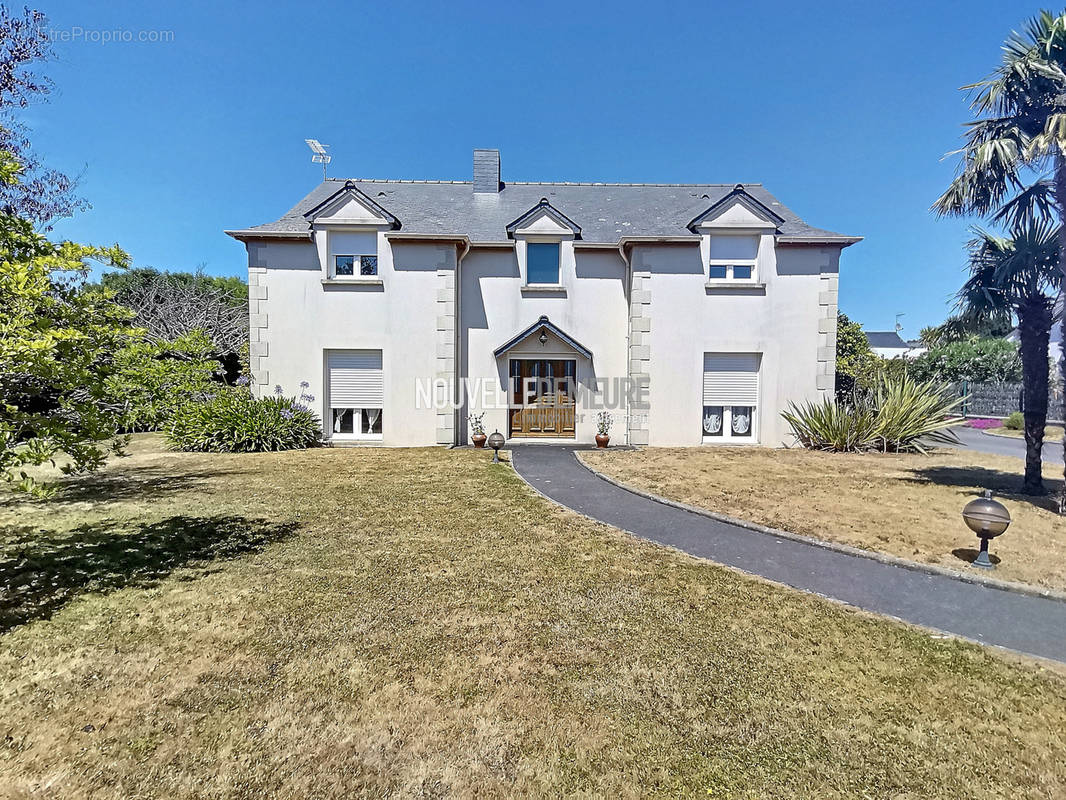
(638, 318)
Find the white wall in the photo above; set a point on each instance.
(789, 321)
(306, 317)
(592, 309)
(688, 319)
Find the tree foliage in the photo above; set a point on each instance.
(1013, 161)
(42, 194)
(152, 379)
(1018, 277)
(855, 359)
(56, 347)
(170, 306)
(973, 359)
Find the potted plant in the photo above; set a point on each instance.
(477, 426)
(603, 428)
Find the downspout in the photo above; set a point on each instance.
(629, 325)
(461, 252)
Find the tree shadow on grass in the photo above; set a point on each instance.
(977, 479)
(42, 571)
(112, 486)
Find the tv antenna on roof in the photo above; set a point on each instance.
(899, 325)
(319, 154)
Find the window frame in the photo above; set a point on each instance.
(727, 435)
(357, 434)
(730, 264)
(558, 245)
(357, 266)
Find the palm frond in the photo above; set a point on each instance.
(1035, 203)
(1021, 125)
(1008, 271)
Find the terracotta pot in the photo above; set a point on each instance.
(602, 439)
(479, 440)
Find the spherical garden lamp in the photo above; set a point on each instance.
(496, 441)
(987, 518)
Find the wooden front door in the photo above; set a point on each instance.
(542, 397)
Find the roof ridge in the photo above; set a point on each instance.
(538, 183)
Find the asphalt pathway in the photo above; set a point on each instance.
(1023, 622)
(973, 439)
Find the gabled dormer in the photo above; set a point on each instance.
(544, 218)
(544, 246)
(348, 230)
(349, 205)
(737, 239)
(738, 209)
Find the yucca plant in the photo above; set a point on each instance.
(900, 415)
(832, 425)
(912, 414)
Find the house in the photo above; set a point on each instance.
(690, 313)
(889, 344)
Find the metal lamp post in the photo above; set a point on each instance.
(987, 518)
(496, 441)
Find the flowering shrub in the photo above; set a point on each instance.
(233, 421)
(984, 423)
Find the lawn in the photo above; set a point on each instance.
(370, 622)
(904, 505)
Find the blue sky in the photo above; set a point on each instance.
(844, 110)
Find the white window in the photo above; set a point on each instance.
(730, 397)
(353, 254)
(346, 266)
(356, 394)
(733, 257)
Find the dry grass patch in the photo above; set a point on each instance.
(904, 505)
(1052, 433)
(339, 623)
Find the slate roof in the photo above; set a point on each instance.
(885, 339)
(605, 212)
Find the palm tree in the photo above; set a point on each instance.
(1019, 276)
(1020, 131)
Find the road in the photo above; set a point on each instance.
(973, 439)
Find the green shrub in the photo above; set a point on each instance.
(973, 359)
(232, 421)
(152, 380)
(900, 415)
(1015, 421)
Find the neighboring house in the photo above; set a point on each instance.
(889, 344)
(916, 348)
(693, 313)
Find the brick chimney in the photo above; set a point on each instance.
(486, 171)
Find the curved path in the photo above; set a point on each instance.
(972, 439)
(1024, 622)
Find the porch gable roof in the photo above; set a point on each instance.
(544, 324)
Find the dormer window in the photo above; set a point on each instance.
(733, 257)
(542, 263)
